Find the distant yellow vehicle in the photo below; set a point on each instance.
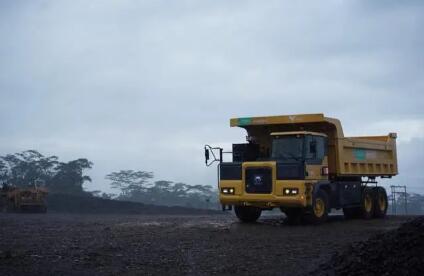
(304, 165)
(29, 199)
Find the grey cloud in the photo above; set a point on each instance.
(144, 84)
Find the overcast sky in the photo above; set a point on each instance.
(144, 85)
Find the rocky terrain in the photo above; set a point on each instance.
(396, 252)
(122, 244)
(64, 203)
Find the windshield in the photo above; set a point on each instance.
(287, 148)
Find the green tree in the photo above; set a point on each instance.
(70, 177)
(28, 167)
(3, 172)
(25, 168)
(131, 183)
(136, 186)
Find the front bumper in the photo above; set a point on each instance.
(273, 199)
(263, 202)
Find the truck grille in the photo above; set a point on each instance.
(258, 180)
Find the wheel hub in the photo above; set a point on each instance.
(368, 203)
(382, 203)
(319, 207)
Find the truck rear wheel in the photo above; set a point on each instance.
(247, 213)
(367, 203)
(380, 202)
(318, 212)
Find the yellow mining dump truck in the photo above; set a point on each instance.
(29, 199)
(304, 165)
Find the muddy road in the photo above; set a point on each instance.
(63, 244)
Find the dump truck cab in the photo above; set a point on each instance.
(277, 173)
(305, 166)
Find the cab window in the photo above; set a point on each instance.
(315, 148)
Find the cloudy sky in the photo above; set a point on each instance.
(145, 84)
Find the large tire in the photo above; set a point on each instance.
(380, 202)
(318, 212)
(293, 215)
(367, 203)
(247, 214)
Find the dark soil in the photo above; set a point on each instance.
(397, 252)
(71, 244)
(64, 203)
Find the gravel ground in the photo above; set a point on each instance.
(396, 252)
(64, 244)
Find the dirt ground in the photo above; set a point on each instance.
(72, 244)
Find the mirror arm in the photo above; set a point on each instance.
(211, 150)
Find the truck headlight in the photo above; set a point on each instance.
(290, 191)
(227, 191)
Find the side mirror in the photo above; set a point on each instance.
(206, 155)
(210, 151)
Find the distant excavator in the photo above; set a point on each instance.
(31, 199)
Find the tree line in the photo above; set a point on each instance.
(30, 168)
(139, 186)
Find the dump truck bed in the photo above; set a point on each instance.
(347, 156)
(367, 156)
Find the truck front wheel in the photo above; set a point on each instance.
(247, 214)
(318, 213)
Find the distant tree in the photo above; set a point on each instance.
(131, 183)
(108, 195)
(31, 167)
(70, 177)
(201, 189)
(201, 195)
(180, 189)
(163, 185)
(3, 172)
(98, 193)
(25, 168)
(159, 191)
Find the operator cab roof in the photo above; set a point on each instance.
(318, 123)
(297, 133)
